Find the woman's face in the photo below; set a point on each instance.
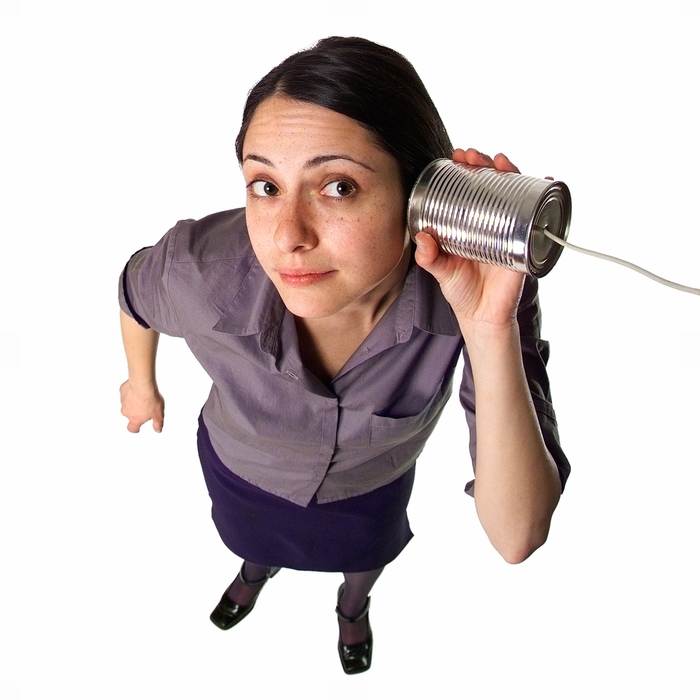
(325, 209)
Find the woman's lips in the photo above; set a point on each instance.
(301, 278)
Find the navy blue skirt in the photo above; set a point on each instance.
(355, 534)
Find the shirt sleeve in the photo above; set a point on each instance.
(144, 287)
(535, 353)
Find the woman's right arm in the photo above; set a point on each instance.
(141, 400)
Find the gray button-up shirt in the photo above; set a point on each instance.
(270, 420)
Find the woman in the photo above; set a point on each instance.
(331, 339)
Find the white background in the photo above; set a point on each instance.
(118, 119)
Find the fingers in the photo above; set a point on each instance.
(158, 424)
(473, 157)
(427, 249)
(501, 162)
(429, 257)
(134, 425)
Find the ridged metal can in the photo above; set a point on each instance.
(492, 216)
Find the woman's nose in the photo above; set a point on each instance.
(295, 229)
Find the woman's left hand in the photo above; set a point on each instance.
(479, 293)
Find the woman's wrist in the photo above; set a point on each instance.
(484, 338)
(143, 385)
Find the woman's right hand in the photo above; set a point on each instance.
(141, 404)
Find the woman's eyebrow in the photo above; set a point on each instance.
(312, 162)
(258, 159)
(320, 160)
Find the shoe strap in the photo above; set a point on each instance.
(270, 573)
(361, 616)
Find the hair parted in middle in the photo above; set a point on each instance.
(370, 83)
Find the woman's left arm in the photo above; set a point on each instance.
(517, 484)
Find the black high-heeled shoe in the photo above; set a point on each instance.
(229, 613)
(355, 658)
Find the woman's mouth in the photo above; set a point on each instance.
(301, 278)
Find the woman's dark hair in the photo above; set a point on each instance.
(369, 83)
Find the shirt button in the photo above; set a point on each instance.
(292, 375)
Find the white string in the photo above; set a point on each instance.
(619, 261)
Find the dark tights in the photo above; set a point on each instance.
(355, 591)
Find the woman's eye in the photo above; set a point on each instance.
(262, 188)
(339, 188)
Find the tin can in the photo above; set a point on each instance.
(491, 216)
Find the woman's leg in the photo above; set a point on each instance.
(352, 602)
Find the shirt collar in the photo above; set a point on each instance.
(422, 305)
(256, 309)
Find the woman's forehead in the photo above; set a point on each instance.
(281, 122)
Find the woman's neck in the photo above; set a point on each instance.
(327, 343)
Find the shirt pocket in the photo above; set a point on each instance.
(389, 430)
